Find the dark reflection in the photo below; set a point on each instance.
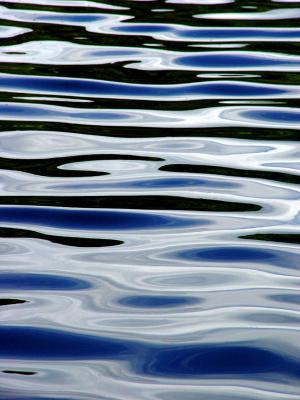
(50, 167)
(28, 281)
(132, 202)
(45, 167)
(243, 173)
(275, 237)
(7, 302)
(19, 372)
(284, 133)
(143, 301)
(64, 240)
(229, 254)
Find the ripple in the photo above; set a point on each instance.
(91, 219)
(66, 53)
(149, 210)
(236, 60)
(283, 13)
(12, 31)
(21, 281)
(182, 92)
(156, 301)
(255, 116)
(38, 343)
(191, 361)
(218, 360)
(230, 254)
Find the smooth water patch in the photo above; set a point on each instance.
(181, 361)
(64, 218)
(143, 301)
(237, 255)
(230, 254)
(227, 360)
(180, 92)
(29, 281)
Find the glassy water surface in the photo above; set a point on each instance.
(150, 202)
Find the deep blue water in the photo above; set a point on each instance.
(150, 201)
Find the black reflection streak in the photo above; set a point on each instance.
(49, 167)
(64, 240)
(132, 202)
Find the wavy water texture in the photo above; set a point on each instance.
(149, 200)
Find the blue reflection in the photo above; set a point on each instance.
(99, 87)
(142, 28)
(92, 219)
(234, 89)
(286, 298)
(28, 281)
(40, 343)
(273, 115)
(79, 18)
(197, 361)
(238, 33)
(228, 254)
(229, 60)
(19, 110)
(157, 301)
(189, 361)
(177, 182)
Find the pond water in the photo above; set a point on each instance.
(149, 200)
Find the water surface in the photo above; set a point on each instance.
(149, 208)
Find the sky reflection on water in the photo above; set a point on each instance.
(149, 213)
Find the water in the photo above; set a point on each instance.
(149, 209)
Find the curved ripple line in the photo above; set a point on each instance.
(108, 292)
(224, 89)
(87, 219)
(113, 24)
(191, 361)
(251, 116)
(65, 53)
